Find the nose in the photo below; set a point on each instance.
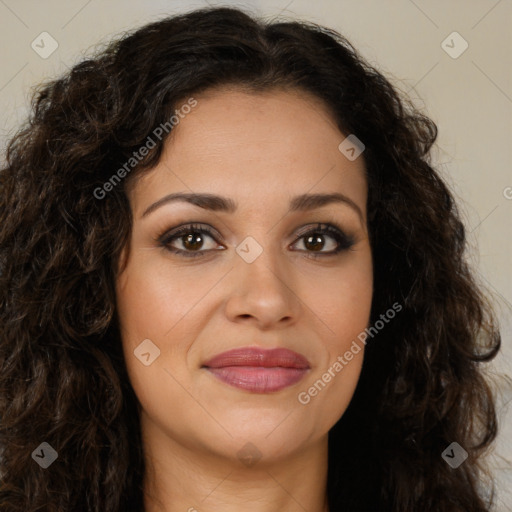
(263, 292)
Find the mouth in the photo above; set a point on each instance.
(258, 370)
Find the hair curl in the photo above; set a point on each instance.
(63, 378)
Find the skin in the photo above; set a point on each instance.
(260, 150)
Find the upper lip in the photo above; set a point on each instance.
(254, 356)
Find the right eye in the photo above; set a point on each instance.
(191, 237)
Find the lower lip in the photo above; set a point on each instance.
(259, 379)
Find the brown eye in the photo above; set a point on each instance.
(192, 242)
(192, 239)
(317, 239)
(314, 242)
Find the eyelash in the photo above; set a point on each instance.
(345, 242)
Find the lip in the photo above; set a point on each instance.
(258, 370)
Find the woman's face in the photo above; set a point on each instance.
(265, 277)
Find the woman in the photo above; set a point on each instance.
(231, 280)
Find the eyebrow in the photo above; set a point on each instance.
(224, 204)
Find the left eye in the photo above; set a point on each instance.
(315, 240)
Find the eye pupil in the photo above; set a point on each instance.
(314, 243)
(193, 241)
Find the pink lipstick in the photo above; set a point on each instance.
(258, 370)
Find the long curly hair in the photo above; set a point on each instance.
(63, 378)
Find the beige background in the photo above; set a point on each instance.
(469, 97)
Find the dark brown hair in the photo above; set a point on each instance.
(62, 374)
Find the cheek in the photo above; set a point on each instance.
(329, 395)
(150, 309)
(343, 304)
(343, 301)
(151, 301)
(163, 305)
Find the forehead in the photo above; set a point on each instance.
(254, 145)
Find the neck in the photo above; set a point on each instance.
(191, 479)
